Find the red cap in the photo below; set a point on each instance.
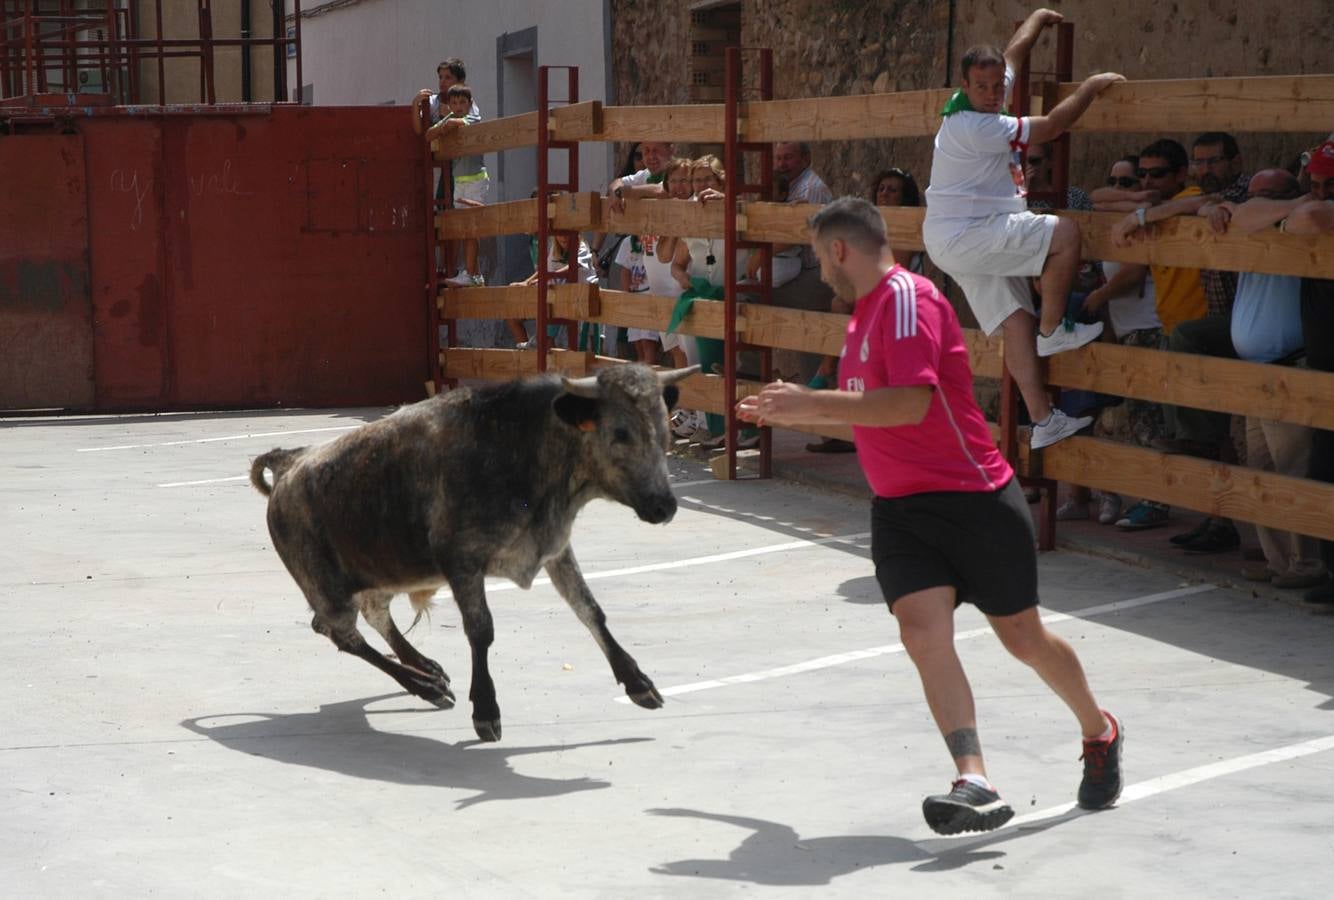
(1322, 160)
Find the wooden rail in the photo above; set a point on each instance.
(1269, 104)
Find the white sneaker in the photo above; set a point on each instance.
(477, 280)
(460, 279)
(1072, 510)
(1058, 427)
(683, 423)
(1109, 508)
(530, 344)
(1068, 336)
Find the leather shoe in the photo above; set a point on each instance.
(1217, 538)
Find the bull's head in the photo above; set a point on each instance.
(623, 413)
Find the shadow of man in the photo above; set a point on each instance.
(339, 738)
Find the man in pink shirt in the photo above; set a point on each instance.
(948, 522)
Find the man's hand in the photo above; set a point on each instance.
(1044, 17)
(708, 194)
(778, 403)
(1218, 214)
(1103, 80)
(1126, 232)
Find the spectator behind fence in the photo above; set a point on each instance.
(645, 183)
(1311, 214)
(558, 263)
(469, 177)
(678, 184)
(979, 232)
(892, 187)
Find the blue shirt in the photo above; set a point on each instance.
(1267, 317)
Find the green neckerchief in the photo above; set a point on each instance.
(699, 288)
(653, 179)
(958, 103)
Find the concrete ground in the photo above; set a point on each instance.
(173, 727)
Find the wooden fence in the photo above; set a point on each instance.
(1275, 104)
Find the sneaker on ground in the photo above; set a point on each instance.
(1220, 537)
(1068, 336)
(461, 278)
(530, 344)
(1072, 510)
(1102, 769)
(967, 807)
(1109, 508)
(1058, 427)
(1144, 514)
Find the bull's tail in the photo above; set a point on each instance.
(279, 461)
(422, 604)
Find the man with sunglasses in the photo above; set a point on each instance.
(979, 232)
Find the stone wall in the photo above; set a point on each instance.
(836, 47)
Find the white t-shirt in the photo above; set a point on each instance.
(975, 169)
(1133, 310)
(659, 274)
(584, 259)
(632, 261)
(472, 118)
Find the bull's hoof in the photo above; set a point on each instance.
(487, 729)
(432, 668)
(647, 696)
(442, 697)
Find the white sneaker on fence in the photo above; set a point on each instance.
(1058, 427)
(1068, 336)
(460, 279)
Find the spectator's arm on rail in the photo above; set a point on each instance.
(1311, 217)
(791, 404)
(1051, 126)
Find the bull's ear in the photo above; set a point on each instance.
(670, 394)
(578, 412)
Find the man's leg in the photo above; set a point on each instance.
(1021, 358)
(1029, 641)
(1058, 273)
(926, 627)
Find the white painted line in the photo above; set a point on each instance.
(1142, 790)
(205, 481)
(686, 484)
(696, 560)
(228, 437)
(825, 662)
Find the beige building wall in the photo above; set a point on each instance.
(180, 20)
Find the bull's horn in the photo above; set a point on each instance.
(672, 376)
(583, 387)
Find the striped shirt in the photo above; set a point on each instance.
(905, 334)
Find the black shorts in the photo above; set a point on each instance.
(981, 544)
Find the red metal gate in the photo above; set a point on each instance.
(46, 317)
(236, 257)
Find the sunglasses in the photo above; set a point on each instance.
(1155, 172)
(1124, 181)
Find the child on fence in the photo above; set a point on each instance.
(471, 182)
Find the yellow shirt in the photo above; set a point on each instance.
(1179, 292)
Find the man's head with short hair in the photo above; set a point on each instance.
(848, 236)
(791, 159)
(450, 73)
(1163, 167)
(1215, 161)
(983, 70)
(1274, 184)
(656, 155)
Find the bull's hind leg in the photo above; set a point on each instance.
(375, 609)
(337, 620)
(567, 578)
(470, 595)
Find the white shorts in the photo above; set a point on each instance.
(992, 259)
(639, 334)
(472, 190)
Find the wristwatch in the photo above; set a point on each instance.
(1139, 216)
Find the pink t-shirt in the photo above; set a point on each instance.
(905, 334)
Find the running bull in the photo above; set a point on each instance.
(471, 483)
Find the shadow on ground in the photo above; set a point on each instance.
(775, 854)
(339, 738)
